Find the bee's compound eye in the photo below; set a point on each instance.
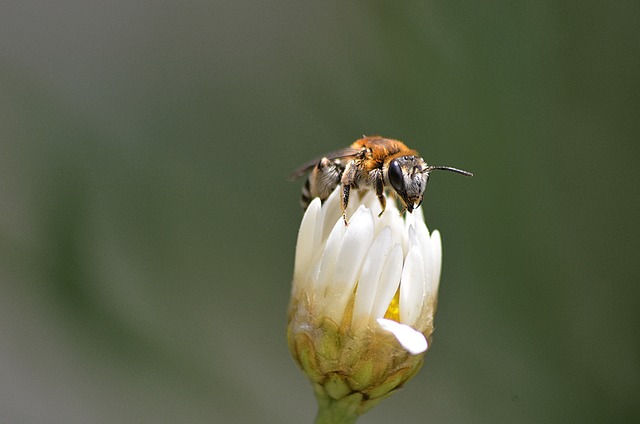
(395, 176)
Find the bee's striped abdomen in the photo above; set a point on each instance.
(306, 197)
(322, 180)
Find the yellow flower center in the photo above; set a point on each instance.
(393, 312)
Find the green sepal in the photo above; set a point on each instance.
(336, 387)
(391, 383)
(306, 355)
(329, 344)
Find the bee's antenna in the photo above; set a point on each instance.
(448, 168)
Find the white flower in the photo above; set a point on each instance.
(376, 273)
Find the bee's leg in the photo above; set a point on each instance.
(348, 179)
(379, 184)
(346, 188)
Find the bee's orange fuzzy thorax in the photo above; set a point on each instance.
(383, 150)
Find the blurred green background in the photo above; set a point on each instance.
(147, 228)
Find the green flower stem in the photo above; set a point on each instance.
(332, 411)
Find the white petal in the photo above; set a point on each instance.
(389, 282)
(355, 201)
(371, 201)
(410, 339)
(368, 283)
(425, 245)
(391, 218)
(413, 237)
(412, 287)
(436, 256)
(306, 244)
(409, 219)
(331, 210)
(329, 257)
(355, 244)
(420, 216)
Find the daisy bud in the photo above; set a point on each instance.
(362, 302)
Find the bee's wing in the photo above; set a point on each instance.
(347, 153)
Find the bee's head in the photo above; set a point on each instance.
(408, 176)
(408, 179)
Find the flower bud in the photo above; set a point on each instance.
(363, 300)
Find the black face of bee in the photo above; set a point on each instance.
(408, 176)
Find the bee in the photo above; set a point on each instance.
(373, 163)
